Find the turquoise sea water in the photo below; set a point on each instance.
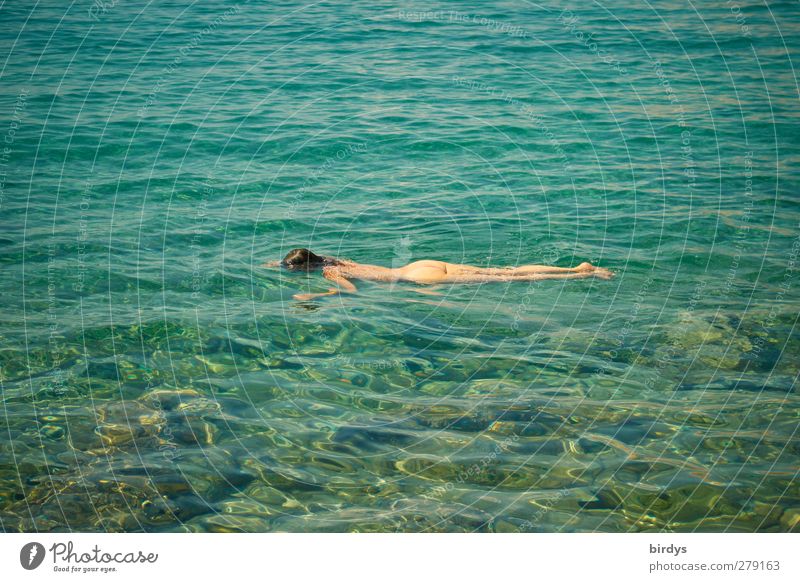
(156, 378)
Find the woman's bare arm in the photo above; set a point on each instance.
(332, 274)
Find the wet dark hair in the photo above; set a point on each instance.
(304, 259)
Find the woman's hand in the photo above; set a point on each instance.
(306, 296)
(312, 296)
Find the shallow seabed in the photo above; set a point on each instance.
(156, 378)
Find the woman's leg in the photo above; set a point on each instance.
(522, 270)
(534, 269)
(483, 278)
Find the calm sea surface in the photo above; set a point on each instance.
(156, 378)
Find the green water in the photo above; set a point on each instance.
(155, 378)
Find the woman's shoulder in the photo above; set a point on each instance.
(338, 267)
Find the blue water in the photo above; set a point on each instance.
(156, 378)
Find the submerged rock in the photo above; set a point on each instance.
(714, 340)
(790, 520)
(127, 421)
(169, 398)
(53, 432)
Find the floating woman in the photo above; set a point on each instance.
(340, 271)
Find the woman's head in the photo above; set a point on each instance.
(303, 259)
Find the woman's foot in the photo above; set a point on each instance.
(595, 271)
(602, 273)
